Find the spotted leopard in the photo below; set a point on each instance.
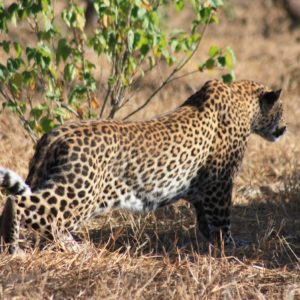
(87, 168)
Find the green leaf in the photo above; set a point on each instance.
(12, 106)
(3, 22)
(228, 78)
(63, 50)
(59, 112)
(213, 51)
(44, 5)
(230, 58)
(89, 81)
(222, 61)
(22, 106)
(74, 17)
(15, 82)
(174, 44)
(3, 73)
(130, 40)
(111, 81)
(30, 53)
(141, 12)
(209, 64)
(29, 78)
(151, 61)
(69, 72)
(13, 8)
(5, 45)
(47, 124)
(13, 64)
(80, 18)
(18, 49)
(77, 92)
(215, 19)
(144, 49)
(205, 14)
(37, 111)
(179, 4)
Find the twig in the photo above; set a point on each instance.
(79, 40)
(110, 88)
(183, 75)
(71, 110)
(105, 101)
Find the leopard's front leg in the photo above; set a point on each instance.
(213, 208)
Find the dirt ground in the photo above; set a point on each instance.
(160, 255)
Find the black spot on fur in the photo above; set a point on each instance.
(78, 184)
(63, 204)
(60, 190)
(71, 195)
(45, 195)
(53, 211)
(41, 210)
(74, 203)
(32, 207)
(52, 200)
(103, 204)
(71, 177)
(34, 199)
(35, 226)
(81, 194)
(67, 214)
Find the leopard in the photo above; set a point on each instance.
(85, 169)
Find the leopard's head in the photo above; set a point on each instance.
(269, 122)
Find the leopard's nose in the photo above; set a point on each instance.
(279, 131)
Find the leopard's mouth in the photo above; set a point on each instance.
(278, 133)
(272, 135)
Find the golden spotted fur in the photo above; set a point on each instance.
(84, 169)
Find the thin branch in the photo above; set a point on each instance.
(120, 58)
(82, 53)
(110, 88)
(183, 75)
(169, 78)
(105, 101)
(71, 110)
(165, 82)
(133, 83)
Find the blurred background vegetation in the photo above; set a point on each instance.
(126, 39)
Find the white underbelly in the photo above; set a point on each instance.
(146, 202)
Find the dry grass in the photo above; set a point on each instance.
(160, 255)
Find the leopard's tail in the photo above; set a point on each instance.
(13, 183)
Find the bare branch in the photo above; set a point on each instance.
(183, 75)
(70, 109)
(79, 39)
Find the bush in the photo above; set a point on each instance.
(129, 35)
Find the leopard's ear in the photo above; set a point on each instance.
(267, 100)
